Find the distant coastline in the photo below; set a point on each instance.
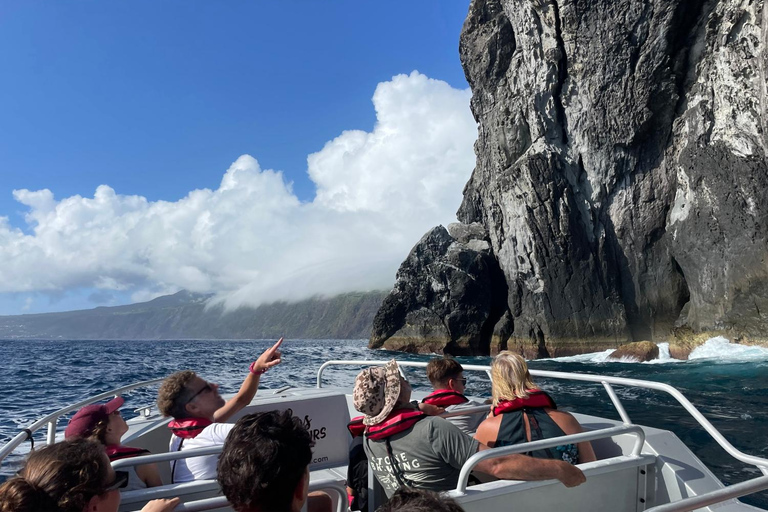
(184, 316)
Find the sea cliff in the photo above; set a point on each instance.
(620, 190)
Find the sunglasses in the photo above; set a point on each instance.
(463, 381)
(120, 481)
(207, 387)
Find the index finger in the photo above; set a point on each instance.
(277, 345)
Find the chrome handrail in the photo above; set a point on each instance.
(581, 437)
(220, 501)
(167, 456)
(53, 418)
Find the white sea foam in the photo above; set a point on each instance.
(718, 348)
(721, 349)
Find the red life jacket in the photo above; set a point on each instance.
(188, 428)
(444, 398)
(397, 421)
(117, 452)
(536, 399)
(356, 427)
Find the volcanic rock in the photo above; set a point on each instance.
(640, 351)
(621, 172)
(448, 296)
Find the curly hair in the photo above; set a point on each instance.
(61, 477)
(510, 377)
(263, 460)
(408, 499)
(173, 392)
(439, 370)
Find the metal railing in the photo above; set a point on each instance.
(342, 504)
(52, 419)
(581, 437)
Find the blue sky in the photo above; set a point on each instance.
(157, 100)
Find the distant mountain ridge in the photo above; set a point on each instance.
(183, 315)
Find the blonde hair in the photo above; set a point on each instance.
(511, 378)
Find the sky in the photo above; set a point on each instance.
(257, 151)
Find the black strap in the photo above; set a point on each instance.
(173, 466)
(534, 425)
(30, 438)
(399, 475)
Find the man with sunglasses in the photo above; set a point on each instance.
(447, 378)
(199, 414)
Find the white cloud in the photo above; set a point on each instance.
(251, 240)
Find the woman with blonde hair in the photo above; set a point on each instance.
(522, 412)
(71, 476)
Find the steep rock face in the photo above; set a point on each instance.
(447, 298)
(621, 167)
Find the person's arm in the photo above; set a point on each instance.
(162, 505)
(430, 409)
(270, 358)
(522, 467)
(570, 425)
(149, 475)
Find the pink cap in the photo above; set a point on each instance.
(86, 419)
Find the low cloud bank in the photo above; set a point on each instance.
(251, 240)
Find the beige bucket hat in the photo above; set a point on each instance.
(376, 392)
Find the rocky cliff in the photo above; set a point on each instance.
(621, 177)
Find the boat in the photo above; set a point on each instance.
(638, 468)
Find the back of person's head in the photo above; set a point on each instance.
(61, 477)
(407, 499)
(439, 370)
(511, 378)
(173, 395)
(264, 460)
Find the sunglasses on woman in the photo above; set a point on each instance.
(120, 481)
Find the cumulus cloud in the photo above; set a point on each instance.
(251, 240)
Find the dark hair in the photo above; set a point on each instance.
(442, 369)
(61, 477)
(173, 394)
(408, 499)
(263, 460)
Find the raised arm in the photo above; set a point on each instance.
(270, 357)
(522, 467)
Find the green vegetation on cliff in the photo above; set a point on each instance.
(184, 315)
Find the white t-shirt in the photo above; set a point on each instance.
(198, 468)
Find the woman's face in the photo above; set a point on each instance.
(117, 425)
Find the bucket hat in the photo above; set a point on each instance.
(376, 392)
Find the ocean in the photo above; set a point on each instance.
(728, 383)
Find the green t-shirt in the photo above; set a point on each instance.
(430, 455)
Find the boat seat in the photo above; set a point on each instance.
(623, 483)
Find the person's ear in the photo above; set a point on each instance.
(191, 408)
(94, 504)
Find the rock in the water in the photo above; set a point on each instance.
(447, 298)
(640, 351)
(621, 171)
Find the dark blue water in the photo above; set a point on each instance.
(729, 386)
